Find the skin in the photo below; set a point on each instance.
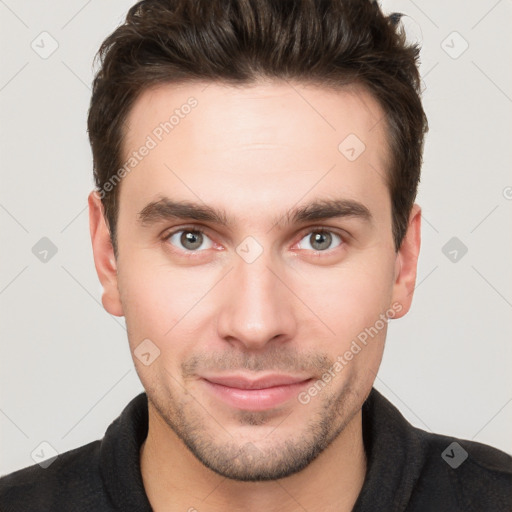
(256, 152)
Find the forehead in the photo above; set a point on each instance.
(254, 145)
(258, 113)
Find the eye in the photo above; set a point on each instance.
(191, 240)
(320, 240)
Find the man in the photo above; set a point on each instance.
(256, 165)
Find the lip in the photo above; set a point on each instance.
(255, 394)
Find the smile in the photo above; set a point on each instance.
(259, 394)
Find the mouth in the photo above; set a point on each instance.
(264, 393)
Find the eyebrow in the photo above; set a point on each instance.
(167, 209)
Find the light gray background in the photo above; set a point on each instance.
(66, 370)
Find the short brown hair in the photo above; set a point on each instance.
(329, 43)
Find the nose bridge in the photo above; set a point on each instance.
(257, 284)
(256, 307)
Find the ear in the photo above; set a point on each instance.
(406, 263)
(104, 259)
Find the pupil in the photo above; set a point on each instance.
(322, 241)
(191, 239)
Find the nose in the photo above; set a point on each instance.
(257, 307)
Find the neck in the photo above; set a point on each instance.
(175, 480)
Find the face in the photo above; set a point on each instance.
(256, 267)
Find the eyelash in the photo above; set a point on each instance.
(318, 229)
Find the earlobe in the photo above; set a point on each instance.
(407, 262)
(104, 258)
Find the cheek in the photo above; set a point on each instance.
(153, 306)
(348, 299)
(160, 303)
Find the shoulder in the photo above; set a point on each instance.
(473, 475)
(73, 478)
